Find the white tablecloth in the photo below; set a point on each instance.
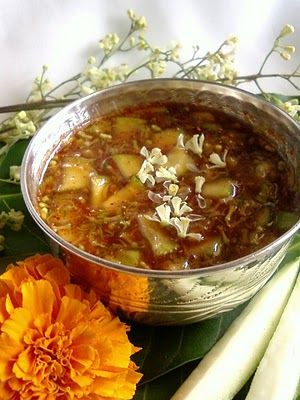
(63, 33)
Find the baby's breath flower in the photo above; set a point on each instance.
(218, 162)
(166, 174)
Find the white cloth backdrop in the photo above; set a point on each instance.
(63, 33)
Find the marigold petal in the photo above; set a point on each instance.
(6, 392)
(23, 366)
(71, 311)
(8, 357)
(17, 325)
(83, 355)
(38, 297)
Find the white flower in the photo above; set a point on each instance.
(155, 157)
(179, 207)
(199, 182)
(286, 30)
(181, 225)
(195, 144)
(166, 174)
(180, 141)
(164, 212)
(215, 159)
(15, 173)
(173, 189)
(145, 173)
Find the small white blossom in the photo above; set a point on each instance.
(166, 174)
(109, 42)
(181, 225)
(180, 141)
(173, 189)
(179, 207)
(164, 212)
(155, 157)
(145, 173)
(138, 23)
(199, 182)
(195, 144)
(232, 40)
(15, 173)
(286, 30)
(218, 162)
(24, 125)
(287, 51)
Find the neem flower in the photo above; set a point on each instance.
(57, 341)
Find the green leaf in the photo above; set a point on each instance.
(164, 387)
(13, 157)
(166, 348)
(29, 240)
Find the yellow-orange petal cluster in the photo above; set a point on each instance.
(58, 341)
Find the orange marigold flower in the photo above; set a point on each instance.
(58, 341)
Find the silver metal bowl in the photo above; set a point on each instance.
(167, 297)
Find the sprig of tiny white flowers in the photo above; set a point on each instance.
(101, 72)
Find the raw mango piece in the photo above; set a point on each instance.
(129, 257)
(218, 189)
(128, 164)
(203, 116)
(128, 193)
(76, 173)
(180, 160)
(211, 247)
(159, 241)
(286, 219)
(126, 127)
(166, 139)
(99, 190)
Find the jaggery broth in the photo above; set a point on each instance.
(211, 191)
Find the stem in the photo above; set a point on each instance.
(39, 105)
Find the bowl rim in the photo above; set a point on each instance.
(150, 273)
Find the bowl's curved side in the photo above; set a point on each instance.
(167, 297)
(171, 301)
